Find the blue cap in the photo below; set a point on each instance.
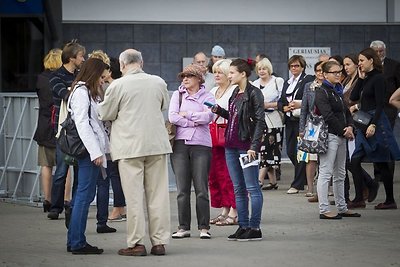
(217, 51)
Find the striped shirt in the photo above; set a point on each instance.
(60, 83)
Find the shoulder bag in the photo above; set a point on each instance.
(315, 139)
(171, 128)
(362, 119)
(275, 118)
(69, 141)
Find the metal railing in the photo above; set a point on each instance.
(19, 173)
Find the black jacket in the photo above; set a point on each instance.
(298, 91)
(370, 92)
(251, 115)
(333, 109)
(45, 134)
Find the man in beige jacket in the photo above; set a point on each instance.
(139, 142)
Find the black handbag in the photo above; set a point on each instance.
(362, 120)
(69, 141)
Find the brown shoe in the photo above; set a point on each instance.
(313, 199)
(158, 250)
(356, 204)
(137, 250)
(386, 206)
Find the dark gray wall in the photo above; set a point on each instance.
(164, 46)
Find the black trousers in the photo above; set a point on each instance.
(292, 132)
(387, 179)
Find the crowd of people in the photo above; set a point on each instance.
(118, 109)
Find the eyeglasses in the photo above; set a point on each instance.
(335, 72)
(187, 75)
(294, 66)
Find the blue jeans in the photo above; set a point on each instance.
(113, 173)
(245, 181)
(85, 192)
(58, 185)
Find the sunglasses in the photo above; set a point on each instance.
(187, 75)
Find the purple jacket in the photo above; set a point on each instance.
(193, 128)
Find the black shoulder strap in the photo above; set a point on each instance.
(180, 99)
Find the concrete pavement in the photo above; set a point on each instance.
(293, 235)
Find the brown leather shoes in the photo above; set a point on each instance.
(158, 250)
(386, 206)
(356, 204)
(137, 250)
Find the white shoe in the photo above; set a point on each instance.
(204, 234)
(181, 234)
(292, 190)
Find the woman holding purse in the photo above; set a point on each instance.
(271, 146)
(377, 142)
(307, 107)
(219, 181)
(246, 124)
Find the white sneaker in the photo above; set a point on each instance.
(181, 234)
(292, 190)
(204, 234)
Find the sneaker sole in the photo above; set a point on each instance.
(180, 237)
(249, 239)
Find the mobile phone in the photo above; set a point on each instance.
(208, 104)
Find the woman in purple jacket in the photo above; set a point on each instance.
(191, 155)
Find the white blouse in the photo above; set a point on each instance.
(272, 90)
(223, 102)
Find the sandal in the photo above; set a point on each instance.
(228, 221)
(217, 219)
(270, 186)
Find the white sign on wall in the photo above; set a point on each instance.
(310, 54)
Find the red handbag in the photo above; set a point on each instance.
(217, 131)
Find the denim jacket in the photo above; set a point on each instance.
(381, 147)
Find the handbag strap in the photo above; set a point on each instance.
(314, 107)
(180, 100)
(90, 104)
(218, 116)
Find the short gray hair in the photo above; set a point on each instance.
(377, 43)
(131, 56)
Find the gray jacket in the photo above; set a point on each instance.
(307, 103)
